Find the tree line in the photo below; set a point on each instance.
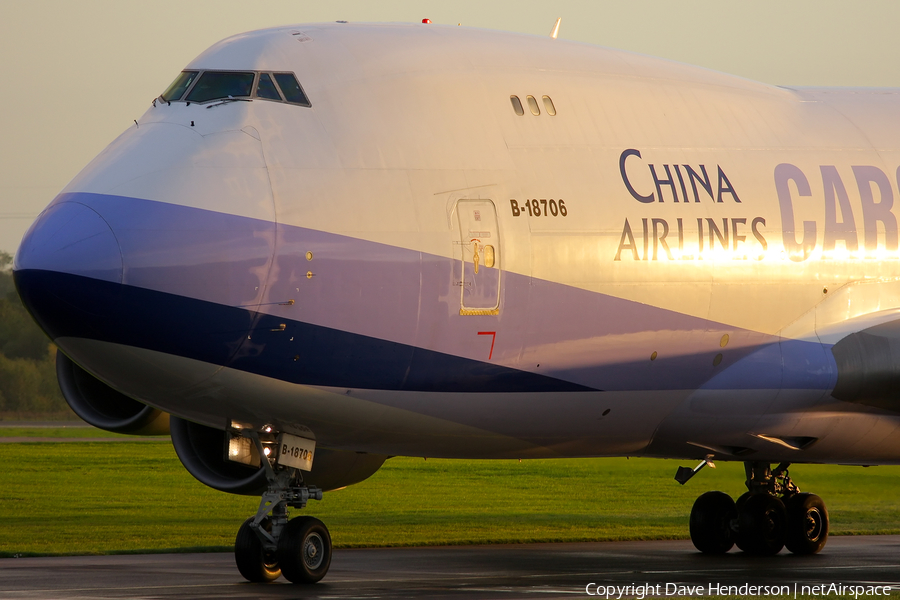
(28, 386)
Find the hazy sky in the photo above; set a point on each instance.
(75, 73)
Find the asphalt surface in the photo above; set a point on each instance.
(472, 572)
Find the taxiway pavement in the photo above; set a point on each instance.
(504, 571)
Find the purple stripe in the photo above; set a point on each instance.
(409, 297)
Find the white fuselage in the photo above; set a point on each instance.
(663, 265)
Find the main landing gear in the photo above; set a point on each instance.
(268, 545)
(772, 514)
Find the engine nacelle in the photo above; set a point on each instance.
(104, 407)
(201, 450)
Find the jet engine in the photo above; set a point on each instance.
(202, 451)
(104, 407)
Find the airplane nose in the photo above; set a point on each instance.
(67, 243)
(71, 238)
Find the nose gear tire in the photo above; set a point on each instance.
(304, 550)
(255, 563)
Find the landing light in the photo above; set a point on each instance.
(242, 450)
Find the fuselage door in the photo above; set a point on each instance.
(480, 244)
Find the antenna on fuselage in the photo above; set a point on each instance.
(555, 31)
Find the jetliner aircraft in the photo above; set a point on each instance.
(325, 245)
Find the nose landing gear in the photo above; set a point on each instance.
(268, 545)
(772, 514)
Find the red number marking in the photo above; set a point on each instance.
(493, 335)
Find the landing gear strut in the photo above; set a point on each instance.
(268, 544)
(772, 514)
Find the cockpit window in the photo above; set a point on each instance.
(291, 88)
(179, 86)
(266, 88)
(216, 85)
(207, 86)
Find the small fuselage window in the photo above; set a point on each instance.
(517, 105)
(549, 107)
(208, 86)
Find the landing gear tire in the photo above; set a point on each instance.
(304, 550)
(762, 524)
(807, 524)
(253, 561)
(711, 519)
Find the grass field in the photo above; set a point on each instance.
(100, 497)
(60, 432)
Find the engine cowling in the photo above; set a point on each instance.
(201, 450)
(104, 407)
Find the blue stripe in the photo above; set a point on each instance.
(67, 305)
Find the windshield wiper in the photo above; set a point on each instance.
(228, 100)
